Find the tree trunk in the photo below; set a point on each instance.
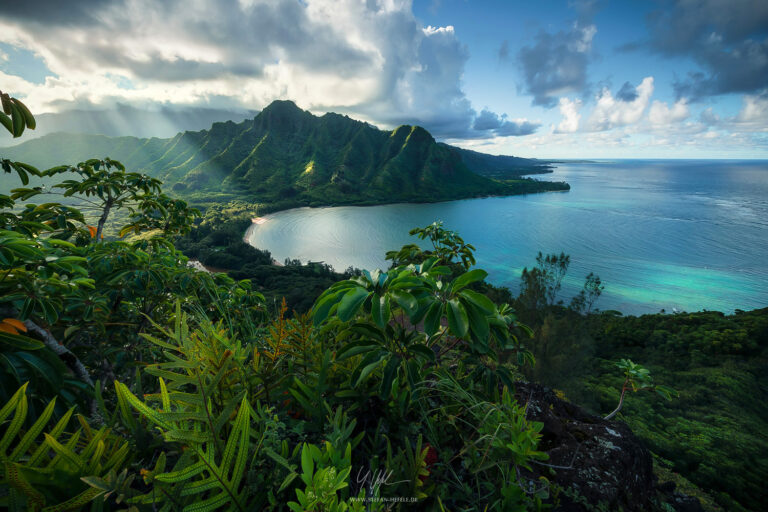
(103, 219)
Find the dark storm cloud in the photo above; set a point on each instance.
(627, 93)
(557, 64)
(727, 38)
(493, 124)
(54, 12)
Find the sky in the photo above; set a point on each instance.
(545, 79)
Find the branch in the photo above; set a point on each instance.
(621, 402)
(66, 355)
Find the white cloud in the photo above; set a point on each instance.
(610, 112)
(584, 43)
(371, 59)
(754, 109)
(571, 115)
(661, 113)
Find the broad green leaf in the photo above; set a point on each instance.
(422, 350)
(406, 301)
(479, 300)
(369, 368)
(432, 318)
(380, 310)
(457, 318)
(390, 371)
(351, 303)
(354, 348)
(468, 278)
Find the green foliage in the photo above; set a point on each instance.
(15, 116)
(712, 433)
(54, 469)
(398, 386)
(324, 473)
(638, 378)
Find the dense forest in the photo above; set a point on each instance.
(133, 381)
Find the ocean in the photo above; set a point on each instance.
(678, 235)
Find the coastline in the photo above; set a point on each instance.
(256, 222)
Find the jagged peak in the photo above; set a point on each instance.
(282, 107)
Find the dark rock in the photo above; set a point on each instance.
(684, 503)
(596, 463)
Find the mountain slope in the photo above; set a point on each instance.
(288, 154)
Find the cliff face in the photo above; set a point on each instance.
(602, 464)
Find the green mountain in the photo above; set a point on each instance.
(286, 154)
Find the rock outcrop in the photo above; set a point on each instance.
(601, 465)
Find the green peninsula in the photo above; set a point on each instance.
(287, 157)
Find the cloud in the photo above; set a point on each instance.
(661, 113)
(611, 112)
(500, 126)
(371, 59)
(571, 116)
(627, 92)
(727, 38)
(556, 64)
(754, 109)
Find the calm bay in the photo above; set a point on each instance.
(662, 234)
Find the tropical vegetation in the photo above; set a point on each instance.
(134, 381)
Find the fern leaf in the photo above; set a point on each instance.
(226, 413)
(173, 417)
(125, 411)
(117, 458)
(93, 441)
(57, 430)
(173, 378)
(18, 419)
(33, 432)
(200, 487)
(182, 474)
(65, 452)
(157, 342)
(244, 426)
(147, 412)
(210, 504)
(77, 502)
(96, 457)
(165, 397)
(234, 439)
(187, 436)
(10, 406)
(18, 482)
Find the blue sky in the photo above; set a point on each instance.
(549, 79)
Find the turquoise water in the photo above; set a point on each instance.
(689, 235)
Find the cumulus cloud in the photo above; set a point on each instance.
(611, 112)
(556, 64)
(501, 126)
(754, 109)
(661, 113)
(570, 110)
(727, 38)
(370, 59)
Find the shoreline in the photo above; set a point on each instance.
(256, 222)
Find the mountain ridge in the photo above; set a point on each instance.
(288, 154)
